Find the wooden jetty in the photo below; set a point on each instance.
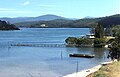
(82, 55)
(38, 45)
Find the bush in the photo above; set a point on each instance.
(71, 40)
(84, 41)
(78, 41)
(115, 48)
(100, 74)
(99, 42)
(114, 53)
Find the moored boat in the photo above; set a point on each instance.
(82, 55)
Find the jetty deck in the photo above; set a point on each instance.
(37, 44)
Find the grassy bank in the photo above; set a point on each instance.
(110, 70)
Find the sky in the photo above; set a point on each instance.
(64, 8)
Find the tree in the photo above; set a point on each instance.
(71, 40)
(78, 41)
(84, 41)
(99, 42)
(108, 31)
(7, 26)
(99, 31)
(92, 29)
(115, 30)
(115, 49)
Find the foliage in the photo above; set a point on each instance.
(58, 23)
(114, 52)
(92, 29)
(71, 40)
(100, 74)
(80, 23)
(99, 31)
(115, 49)
(61, 23)
(7, 26)
(115, 30)
(108, 31)
(99, 42)
(79, 41)
(84, 41)
(110, 20)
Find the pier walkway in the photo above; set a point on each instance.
(36, 44)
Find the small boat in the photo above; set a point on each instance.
(82, 55)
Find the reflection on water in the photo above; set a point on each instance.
(21, 61)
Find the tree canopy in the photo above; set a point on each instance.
(115, 47)
(7, 26)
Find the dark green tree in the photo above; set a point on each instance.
(71, 40)
(7, 26)
(99, 31)
(108, 31)
(115, 30)
(99, 42)
(84, 41)
(115, 48)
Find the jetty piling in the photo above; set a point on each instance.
(61, 55)
(77, 69)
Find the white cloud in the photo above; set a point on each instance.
(9, 10)
(47, 5)
(6, 9)
(26, 3)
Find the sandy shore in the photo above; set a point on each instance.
(85, 73)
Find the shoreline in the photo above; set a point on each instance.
(87, 72)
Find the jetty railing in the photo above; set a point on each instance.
(36, 44)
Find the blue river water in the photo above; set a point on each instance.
(25, 61)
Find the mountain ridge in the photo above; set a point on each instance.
(80, 23)
(46, 17)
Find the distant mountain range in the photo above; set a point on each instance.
(47, 17)
(79, 23)
(89, 17)
(53, 21)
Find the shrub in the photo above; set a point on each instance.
(84, 41)
(99, 42)
(71, 40)
(115, 48)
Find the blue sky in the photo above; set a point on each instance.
(65, 8)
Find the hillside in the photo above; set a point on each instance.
(7, 26)
(61, 23)
(47, 17)
(80, 23)
(58, 23)
(110, 20)
(91, 22)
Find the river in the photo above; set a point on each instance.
(25, 61)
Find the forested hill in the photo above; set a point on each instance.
(110, 20)
(60, 23)
(81, 23)
(7, 26)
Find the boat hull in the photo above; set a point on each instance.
(82, 55)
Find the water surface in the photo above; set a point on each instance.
(44, 61)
